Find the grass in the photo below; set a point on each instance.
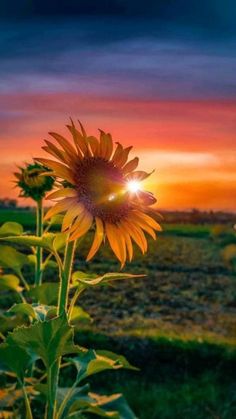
(178, 325)
(176, 379)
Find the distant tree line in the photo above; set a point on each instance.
(8, 203)
(196, 216)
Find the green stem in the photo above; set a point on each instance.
(39, 250)
(73, 301)
(27, 403)
(26, 285)
(64, 402)
(53, 371)
(65, 277)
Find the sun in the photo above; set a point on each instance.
(133, 186)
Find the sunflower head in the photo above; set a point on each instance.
(100, 186)
(31, 181)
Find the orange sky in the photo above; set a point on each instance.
(191, 144)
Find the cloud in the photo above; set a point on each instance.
(67, 57)
(213, 16)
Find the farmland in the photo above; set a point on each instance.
(177, 323)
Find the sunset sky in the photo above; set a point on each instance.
(162, 79)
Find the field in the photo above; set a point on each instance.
(177, 324)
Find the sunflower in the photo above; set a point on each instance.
(31, 182)
(99, 185)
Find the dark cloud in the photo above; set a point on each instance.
(213, 16)
(69, 56)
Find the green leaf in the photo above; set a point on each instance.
(116, 403)
(92, 408)
(46, 241)
(79, 315)
(32, 259)
(90, 281)
(92, 362)
(23, 308)
(46, 293)
(50, 264)
(14, 358)
(10, 282)
(56, 219)
(11, 258)
(59, 241)
(77, 275)
(39, 312)
(11, 228)
(47, 340)
(8, 322)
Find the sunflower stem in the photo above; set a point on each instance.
(28, 410)
(73, 301)
(39, 250)
(53, 372)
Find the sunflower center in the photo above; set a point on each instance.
(101, 188)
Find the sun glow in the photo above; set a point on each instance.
(133, 186)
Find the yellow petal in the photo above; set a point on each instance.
(79, 140)
(141, 223)
(127, 241)
(84, 225)
(130, 166)
(149, 220)
(61, 206)
(71, 214)
(82, 129)
(148, 229)
(98, 237)
(142, 236)
(116, 242)
(106, 145)
(117, 153)
(94, 145)
(139, 175)
(69, 149)
(62, 193)
(56, 152)
(123, 157)
(134, 234)
(58, 168)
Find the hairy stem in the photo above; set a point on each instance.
(27, 403)
(25, 283)
(65, 278)
(73, 301)
(53, 372)
(39, 250)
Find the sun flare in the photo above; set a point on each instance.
(133, 186)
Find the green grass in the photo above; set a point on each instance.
(25, 217)
(177, 324)
(176, 379)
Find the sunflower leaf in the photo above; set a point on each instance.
(14, 358)
(45, 293)
(10, 282)
(46, 241)
(11, 228)
(11, 258)
(23, 308)
(79, 315)
(92, 362)
(47, 340)
(114, 403)
(91, 281)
